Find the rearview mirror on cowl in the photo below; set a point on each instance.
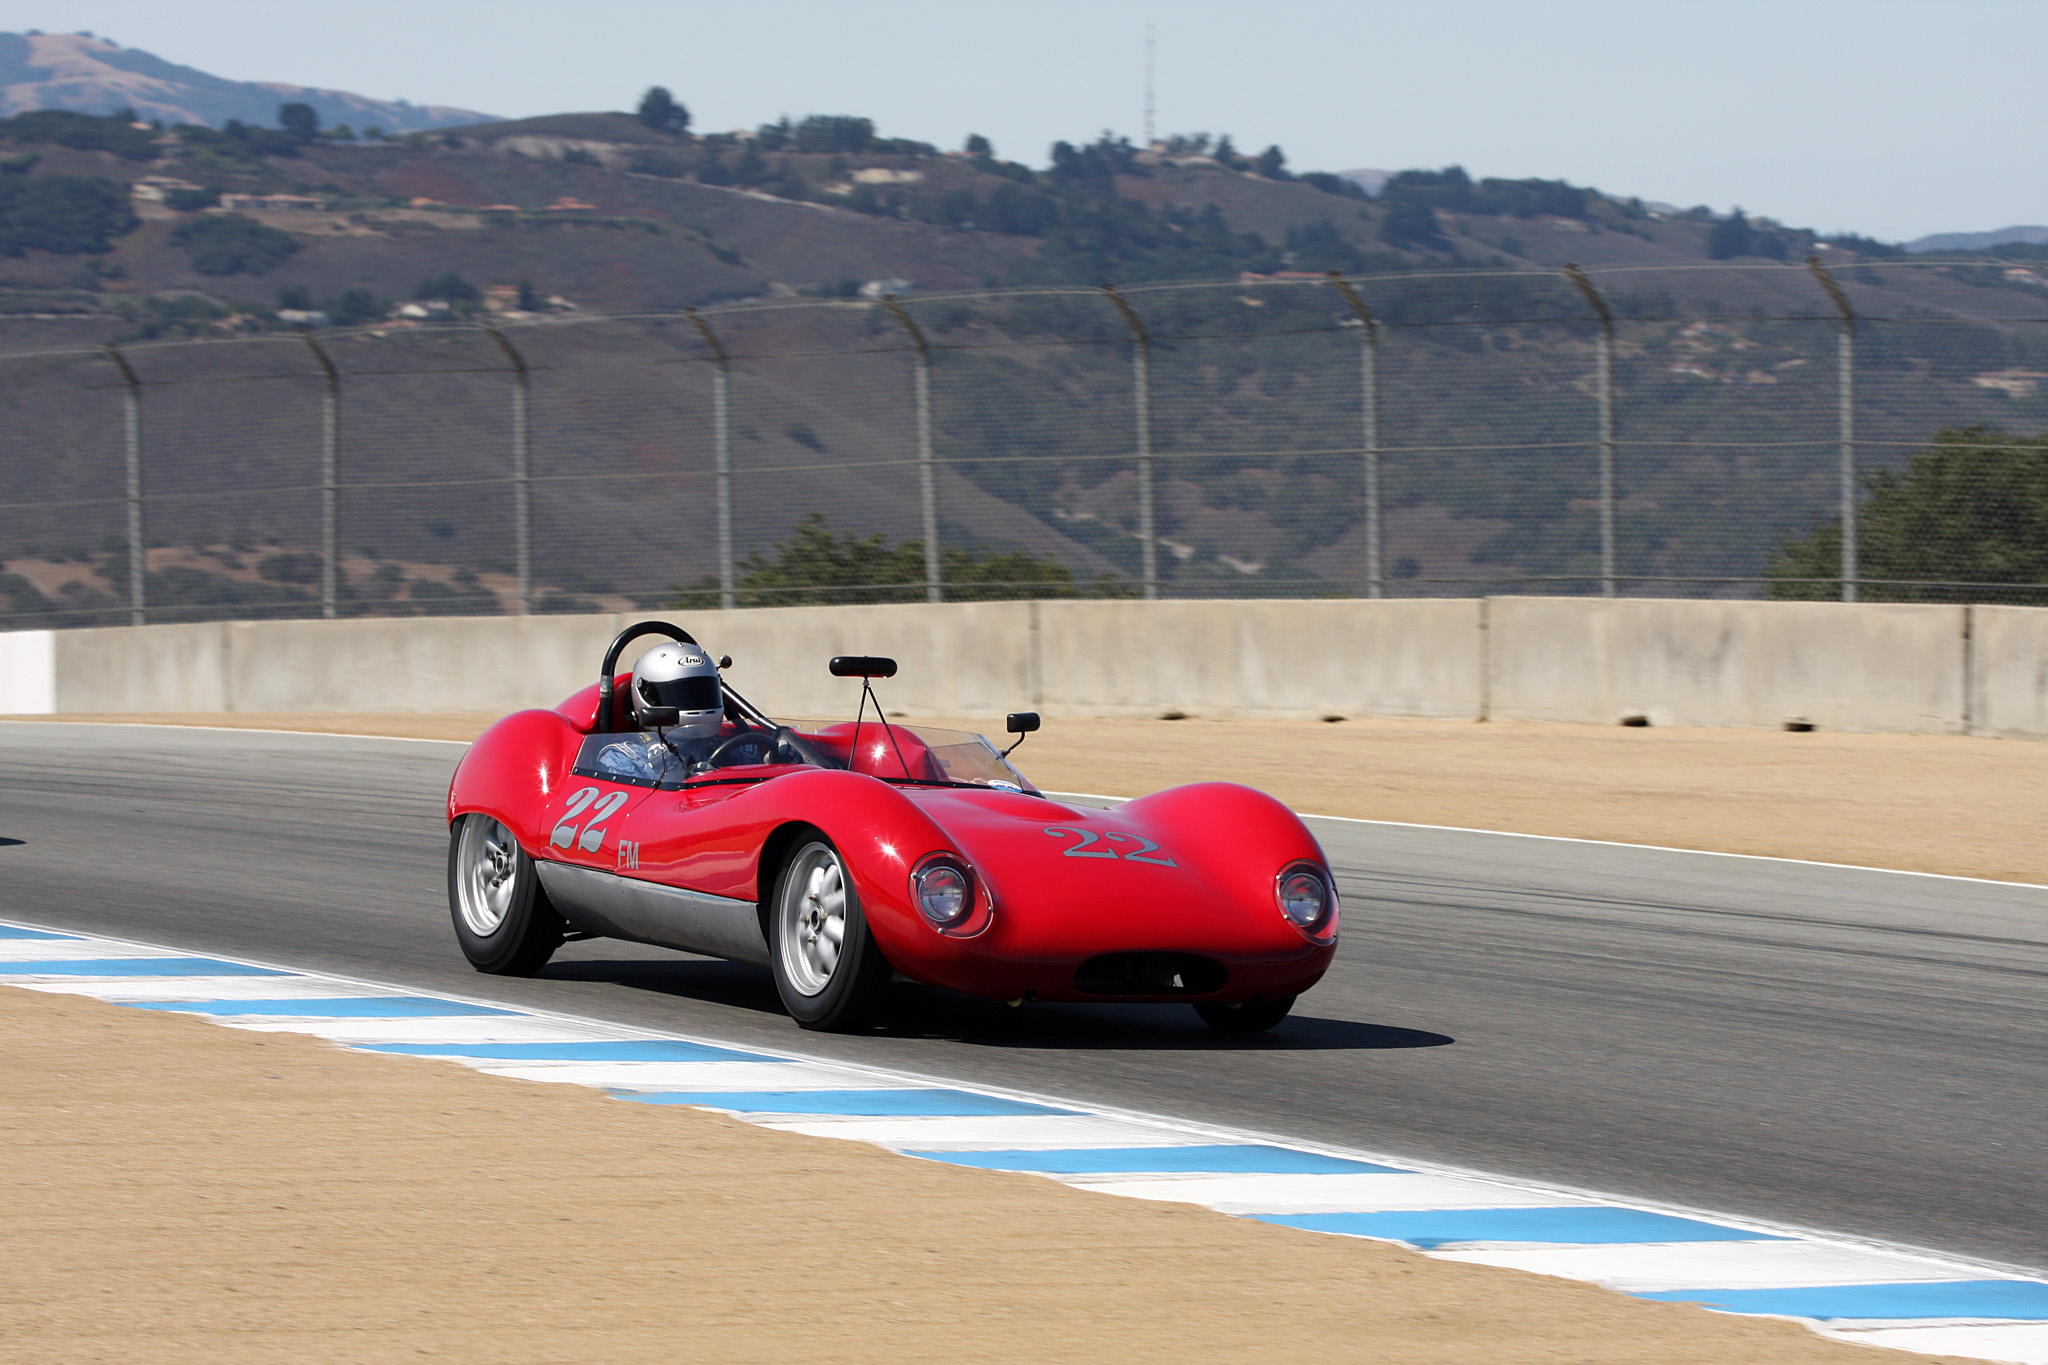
(862, 666)
(1020, 724)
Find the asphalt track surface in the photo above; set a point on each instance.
(1855, 1051)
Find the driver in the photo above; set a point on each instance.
(674, 675)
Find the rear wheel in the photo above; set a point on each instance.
(828, 969)
(502, 917)
(1252, 1016)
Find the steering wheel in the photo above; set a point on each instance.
(764, 742)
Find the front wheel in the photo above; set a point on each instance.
(1252, 1016)
(502, 917)
(828, 969)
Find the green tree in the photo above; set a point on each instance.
(299, 120)
(234, 245)
(1970, 509)
(1272, 163)
(1730, 237)
(819, 565)
(835, 133)
(354, 307)
(977, 145)
(1412, 227)
(451, 289)
(191, 201)
(660, 111)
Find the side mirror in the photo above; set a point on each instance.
(724, 662)
(659, 715)
(862, 666)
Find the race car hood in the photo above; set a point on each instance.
(1190, 869)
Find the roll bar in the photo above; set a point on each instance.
(607, 719)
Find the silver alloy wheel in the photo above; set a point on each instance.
(487, 864)
(811, 918)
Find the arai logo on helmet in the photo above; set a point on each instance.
(691, 661)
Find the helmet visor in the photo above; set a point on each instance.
(685, 694)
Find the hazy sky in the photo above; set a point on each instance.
(1889, 117)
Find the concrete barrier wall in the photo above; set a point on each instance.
(1905, 669)
(1869, 667)
(2009, 672)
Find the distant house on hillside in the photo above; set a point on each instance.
(883, 175)
(153, 188)
(2011, 383)
(272, 203)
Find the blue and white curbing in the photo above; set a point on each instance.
(1863, 1292)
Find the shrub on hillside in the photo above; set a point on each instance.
(70, 214)
(234, 245)
(818, 564)
(114, 133)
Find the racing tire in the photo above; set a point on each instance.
(828, 968)
(1252, 1016)
(503, 920)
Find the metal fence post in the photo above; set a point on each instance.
(1369, 411)
(522, 468)
(1845, 396)
(330, 481)
(721, 441)
(132, 408)
(1604, 354)
(1141, 390)
(927, 476)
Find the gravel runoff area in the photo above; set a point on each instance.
(182, 1192)
(176, 1191)
(1921, 803)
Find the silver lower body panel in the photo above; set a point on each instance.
(611, 906)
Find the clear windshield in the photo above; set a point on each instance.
(965, 757)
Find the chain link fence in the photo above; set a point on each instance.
(1716, 431)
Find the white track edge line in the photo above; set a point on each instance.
(1169, 1122)
(1616, 843)
(233, 730)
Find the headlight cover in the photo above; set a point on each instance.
(1308, 900)
(943, 888)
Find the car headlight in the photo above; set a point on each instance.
(943, 890)
(1307, 899)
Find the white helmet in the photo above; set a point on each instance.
(682, 676)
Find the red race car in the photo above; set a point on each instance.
(662, 807)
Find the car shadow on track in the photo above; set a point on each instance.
(923, 1012)
(706, 979)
